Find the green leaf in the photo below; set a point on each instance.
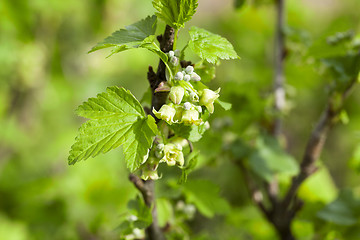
(164, 210)
(175, 12)
(344, 68)
(149, 43)
(192, 133)
(205, 196)
(239, 3)
(117, 118)
(225, 105)
(319, 187)
(209, 46)
(112, 102)
(354, 162)
(205, 70)
(343, 211)
(130, 37)
(191, 161)
(270, 159)
(141, 211)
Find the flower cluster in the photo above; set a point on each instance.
(186, 102)
(170, 153)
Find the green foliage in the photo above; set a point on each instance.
(209, 46)
(132, 36)
(344, 69)
(343, 211)
(319, 187)
(270, 159)
(141, 211)
(205, 196)
(175, 13)
(193, 133)
(117, 118)
(206, 71)
(191, 161)
(225, 105)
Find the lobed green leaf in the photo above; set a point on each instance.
(175, 12)
(117, 118)
(130, 37)
(209, 46)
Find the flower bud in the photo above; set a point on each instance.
(194, 97)
(177, 53)
(195, 77)
(174, 61)
(187, 77)
(187, 106)
(165, 113)
(179, 76)
(176, 94)
(160, 146)
(207, 99)
(189, 69)
(171, 53)
(190, 117)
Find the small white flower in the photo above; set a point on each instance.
(189, 69)
(179, 76)
(187, 106)
(199, 109)
(187, 77)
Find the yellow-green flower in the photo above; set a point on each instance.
(165, 113)
(190, 117)
(173, 155)
(207, 99)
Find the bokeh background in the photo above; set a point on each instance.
(45, 73)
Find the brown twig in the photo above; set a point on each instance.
(154, 232)
(253, 189)
(316, 143)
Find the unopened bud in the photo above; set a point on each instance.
(171, 53)
(176, 94)
(189, 69)
(195, 77)
(174, 61)
(179, 76)
(187, 77)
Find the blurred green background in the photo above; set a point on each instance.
(45, 73)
